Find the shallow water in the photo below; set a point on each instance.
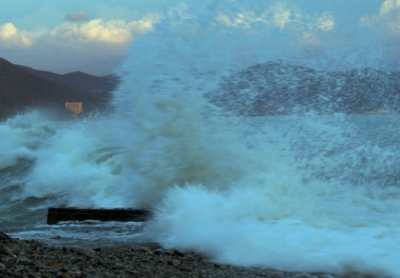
(87, 234)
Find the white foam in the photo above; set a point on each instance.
(19, 137)
(273, 192)
(289, 227)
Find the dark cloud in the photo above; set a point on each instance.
(76, 16)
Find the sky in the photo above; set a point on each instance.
(65, 36)
(94, 36)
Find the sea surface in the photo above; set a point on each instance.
(302, 190)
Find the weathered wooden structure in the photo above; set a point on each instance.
(58, 214)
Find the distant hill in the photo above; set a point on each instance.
(22, 88)
(79, 81)
(276, 88)
(272, 88)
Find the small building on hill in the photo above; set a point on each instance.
(75, 107)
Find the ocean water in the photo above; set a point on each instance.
(310, 188)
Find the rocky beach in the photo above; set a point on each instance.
(34, 259)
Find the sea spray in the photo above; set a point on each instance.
(282, 218)
(306, 190)
(296, 204)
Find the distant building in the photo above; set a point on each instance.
(75, 107)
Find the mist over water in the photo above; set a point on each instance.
(301, 190)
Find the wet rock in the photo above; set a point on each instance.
(4, 236)
(14, 248)
(39, 260)
(23, 260)
(83, 253)
(5, 251)
(2, 249)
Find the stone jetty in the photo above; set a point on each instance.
(58, 214)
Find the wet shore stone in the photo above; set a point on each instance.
(34, 259)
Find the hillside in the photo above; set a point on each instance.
(22, 88)
(265, 89)
(79, 81)
(276, 88)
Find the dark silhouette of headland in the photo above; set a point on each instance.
(23, 88)
(279, 88)
(272, 88)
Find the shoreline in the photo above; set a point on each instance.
(32, 258)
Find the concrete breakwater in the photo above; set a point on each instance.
(58, 214)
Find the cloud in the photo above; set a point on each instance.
(10, 36)
(325, 22)
(309, 28)
(281, 15)
(76, 16)
(388, 17)
(388, 6)
(79, 34)
(278, 16)
(113, 31)
(95, 46)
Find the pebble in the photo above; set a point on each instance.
(33, 259)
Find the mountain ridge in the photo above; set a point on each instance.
(278, 88)
(23, 88)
